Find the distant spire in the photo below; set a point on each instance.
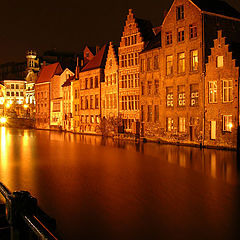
(77, 69)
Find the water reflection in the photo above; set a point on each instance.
(125, 190)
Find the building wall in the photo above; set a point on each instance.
(151, 99)
(221, 96)
(86, 101)
(109, 88)
(42, 94)
(67, 108)
(130, 46)
(182, 87)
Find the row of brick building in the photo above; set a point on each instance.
(178, 82)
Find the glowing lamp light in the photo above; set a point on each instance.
(25, 106)
(11, 102)
(8, 105)
(230, 125)
(3, 120)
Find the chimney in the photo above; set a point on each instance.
(77, 69)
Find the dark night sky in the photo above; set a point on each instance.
(70, 25)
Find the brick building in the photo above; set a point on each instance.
(87, 94)
(187, 33)
(136, 34)
(109, 88)
(222, 96)
(56, 101)
(42, 94)
(67, 104)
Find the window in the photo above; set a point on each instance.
(91, 82)
(136, 102)
(227, 90)
(194, 95)
(148, 64)
(142, 113)
(142, 89)
(169, 94)
(86, 102)
(181, 62)
(180, 12)
(192, 31)
(17, 86)
(149, 87)
(91, 102)
(219, 61)
(194, 60)
(213, 130)
(12, 86)
(156, 87)
(155, 62)
(149, 116)
(81, 102)
(96, 82)
(8, 94)
(136, 79)
(227, 123)
(169, 124)
(156, 113)
(181, 96)
(96, 102)
(136, 59)
(180, 34)
(213, 92)
(181, 124)
(142, 65)
(12, 94)
(17, 94)
(169, 64)
(86, 83)
(168, 38)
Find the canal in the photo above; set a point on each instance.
(104, 189)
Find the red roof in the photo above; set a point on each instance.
(48, 71)
(98, 61)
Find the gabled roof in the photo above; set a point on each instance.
(47, 72)
(98, 61)
(154, 43)
(145, 28)
(218, 7)
(68, 81)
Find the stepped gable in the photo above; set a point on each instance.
(154, 43)
(47, 72)
(218, 7)
(98, 61)
(68, 81)
(145, 28)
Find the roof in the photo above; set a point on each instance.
(218, 7)
(154, 43)
(98, 60)
(68, 81)
(47, 72)
(145, 28)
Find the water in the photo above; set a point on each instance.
(101, 189)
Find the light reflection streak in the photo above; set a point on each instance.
(4, 152)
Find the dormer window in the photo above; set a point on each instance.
(180, 12)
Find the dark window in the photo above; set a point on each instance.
(180, 12)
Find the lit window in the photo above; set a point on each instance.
(169, 124)
(180, 12)
(181, 124)
(169, 96)
(181, 96)
(169, 65)
(227, 123)
(213, 92)
(194, 95)
(194, 60)
(227, 90)
(219, 61)
(181, 62)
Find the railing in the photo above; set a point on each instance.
(26, 220)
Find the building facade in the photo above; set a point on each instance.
(135, 36)
(42, 94)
